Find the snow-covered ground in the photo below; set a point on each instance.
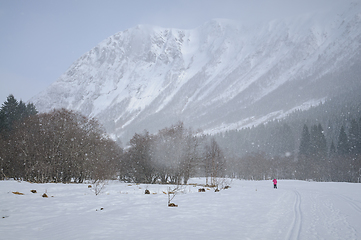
(247, 210)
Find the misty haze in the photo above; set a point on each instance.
(173, 133)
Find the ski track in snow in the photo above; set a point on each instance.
(248, 210)
(351, 203)
(295, 229)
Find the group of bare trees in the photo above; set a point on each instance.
(173, 155)
(65, 146)
(59, 146)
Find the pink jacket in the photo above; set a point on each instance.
(275, 181)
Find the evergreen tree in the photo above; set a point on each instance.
(358, 144)
(318, 144)
(332, 149)
(322, 141)
(315, 162)
(12, 111)
(342, 146)
(8, 113)
(304, 149)
(314, 141)
(354, 136)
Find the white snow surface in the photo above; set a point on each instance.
(247, 210)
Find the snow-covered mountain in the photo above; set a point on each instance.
(222, 75)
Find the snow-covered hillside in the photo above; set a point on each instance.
(247, 210)
(221, 75)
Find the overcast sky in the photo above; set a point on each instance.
(40, 39)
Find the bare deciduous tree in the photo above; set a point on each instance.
(61, 146)
(170, 156)
(214, 162)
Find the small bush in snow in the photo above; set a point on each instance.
(98, 186)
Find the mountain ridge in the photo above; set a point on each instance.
(222, 73)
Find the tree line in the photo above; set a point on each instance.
(331, 162)
(298, 149)
(173, 155)
(59, 146)
(64, 146)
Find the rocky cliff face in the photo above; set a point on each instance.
(222, 75)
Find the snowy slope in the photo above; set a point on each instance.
(247, 210)
(221, 75)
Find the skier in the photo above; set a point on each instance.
(275, 183)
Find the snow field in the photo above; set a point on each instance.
(247, 210)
